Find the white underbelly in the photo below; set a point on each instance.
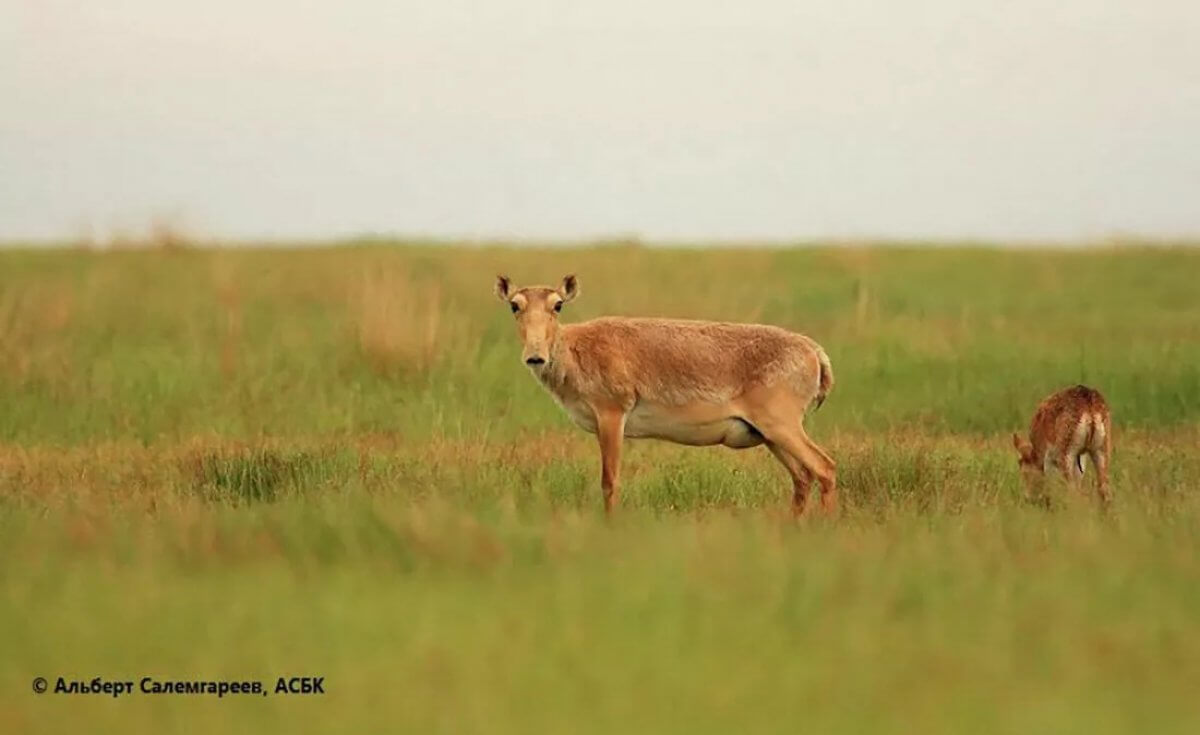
(694, 425)
(582, 415)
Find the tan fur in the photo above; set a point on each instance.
(1066, 426)
(690, 382)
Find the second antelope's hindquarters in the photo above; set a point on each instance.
(1068, 426)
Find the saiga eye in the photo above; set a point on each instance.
(514, 306)
(558, 306)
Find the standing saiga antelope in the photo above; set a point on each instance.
(1067, 425)
(690, 382)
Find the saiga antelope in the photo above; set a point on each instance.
(689, 382)
(1067, 425)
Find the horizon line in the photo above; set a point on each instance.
(168, 238)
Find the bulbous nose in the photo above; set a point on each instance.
(535, 360)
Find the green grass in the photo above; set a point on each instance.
(252, 464)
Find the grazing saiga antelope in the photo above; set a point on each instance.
(1067, 425)
(689, 382)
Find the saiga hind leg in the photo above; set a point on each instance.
(801, 477)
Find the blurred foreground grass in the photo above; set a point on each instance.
(330, 462)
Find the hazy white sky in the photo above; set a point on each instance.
(576, 118)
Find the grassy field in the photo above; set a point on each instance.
(330, 462)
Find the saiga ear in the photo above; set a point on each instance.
(1019, 444)
(569, 288)
(503, 287)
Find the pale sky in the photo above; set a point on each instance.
(675, 119)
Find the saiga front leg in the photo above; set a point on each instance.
(610, 428)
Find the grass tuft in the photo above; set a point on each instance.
(255, 475)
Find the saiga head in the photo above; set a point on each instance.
(536, 309)
(1030, 468)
